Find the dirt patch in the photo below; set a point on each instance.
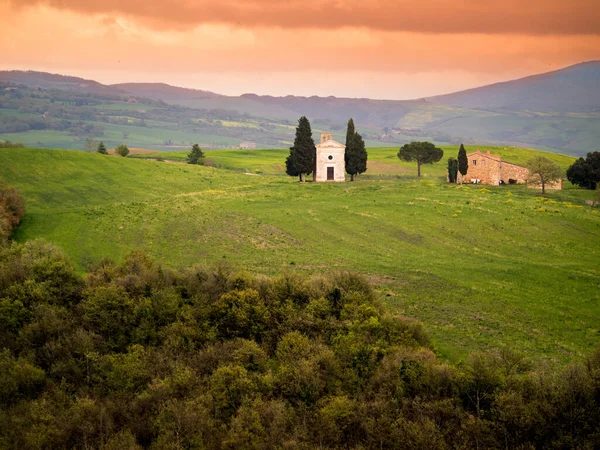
(380, 167)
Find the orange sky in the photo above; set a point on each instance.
(358, 48)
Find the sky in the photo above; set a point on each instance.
(385, 49)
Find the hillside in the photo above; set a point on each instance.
(557, 111)
(572, 89)
(528, 276)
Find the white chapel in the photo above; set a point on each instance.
(330, 164)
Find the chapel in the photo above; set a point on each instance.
(330, 163)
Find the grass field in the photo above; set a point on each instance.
(482, 267)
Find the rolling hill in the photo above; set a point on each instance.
(557, 111)
(528, 277)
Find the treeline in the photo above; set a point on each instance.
(12, 209)
(139, 356)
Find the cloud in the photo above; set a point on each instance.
(533, 17)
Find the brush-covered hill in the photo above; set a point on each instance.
(575, 88)
(482, 267)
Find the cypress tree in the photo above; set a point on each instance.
(463, 162)
(452, 170)
(196, 156)
(356, 156)
(102, 148)
(290, 165)
(303, 154)
(350, 133)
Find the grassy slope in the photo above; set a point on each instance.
(482, 267)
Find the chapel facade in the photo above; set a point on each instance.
(330, 164)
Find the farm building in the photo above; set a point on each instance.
(247, 145)
(330, 164)
(485, 168)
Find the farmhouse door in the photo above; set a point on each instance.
(330, 173)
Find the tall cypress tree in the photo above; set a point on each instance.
(303, 154)
(350, 133)
(356, 156)
(463, 161)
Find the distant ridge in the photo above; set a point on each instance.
(46, 80)
(163, 91)
(574, 88)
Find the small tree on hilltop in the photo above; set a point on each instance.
(452, 170)
(122, 150)
(196, 156)
(303, 155)
(90, 145)
(542, 171)
(463, 161)
(102, 148)
(421, 152)
(356, 156)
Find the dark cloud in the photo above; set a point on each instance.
(535, 17)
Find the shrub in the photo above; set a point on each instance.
(122, 150)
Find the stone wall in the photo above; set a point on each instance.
(514, 172)
(484, 168)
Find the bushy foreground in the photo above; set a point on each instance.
(137, 356)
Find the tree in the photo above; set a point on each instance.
(102, 148)
(585, 172)
(90, 145)
(421, 152)
(543, 171)
(463, 161)
(196, 156)
(452, 170)
(356, 156)
(290, 165)
(350, 133)
(122, 150)
(303, 155)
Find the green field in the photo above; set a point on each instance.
(482, 267)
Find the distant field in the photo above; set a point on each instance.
(481, 266)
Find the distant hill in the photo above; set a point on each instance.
(574, 88)
(162, 91)
(558, 111)
(54, 81)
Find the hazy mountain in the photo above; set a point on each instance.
(574, 88)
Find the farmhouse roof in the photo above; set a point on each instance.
(488, 155)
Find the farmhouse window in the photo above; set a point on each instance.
(474, 162)
(483, 162)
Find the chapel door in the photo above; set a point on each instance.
(330, 173)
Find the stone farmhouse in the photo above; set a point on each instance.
(485, 168)
(330, 164)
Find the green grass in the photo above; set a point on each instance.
(482, 267)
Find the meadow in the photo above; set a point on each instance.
(483, 267)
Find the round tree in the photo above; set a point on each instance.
(421, 152)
